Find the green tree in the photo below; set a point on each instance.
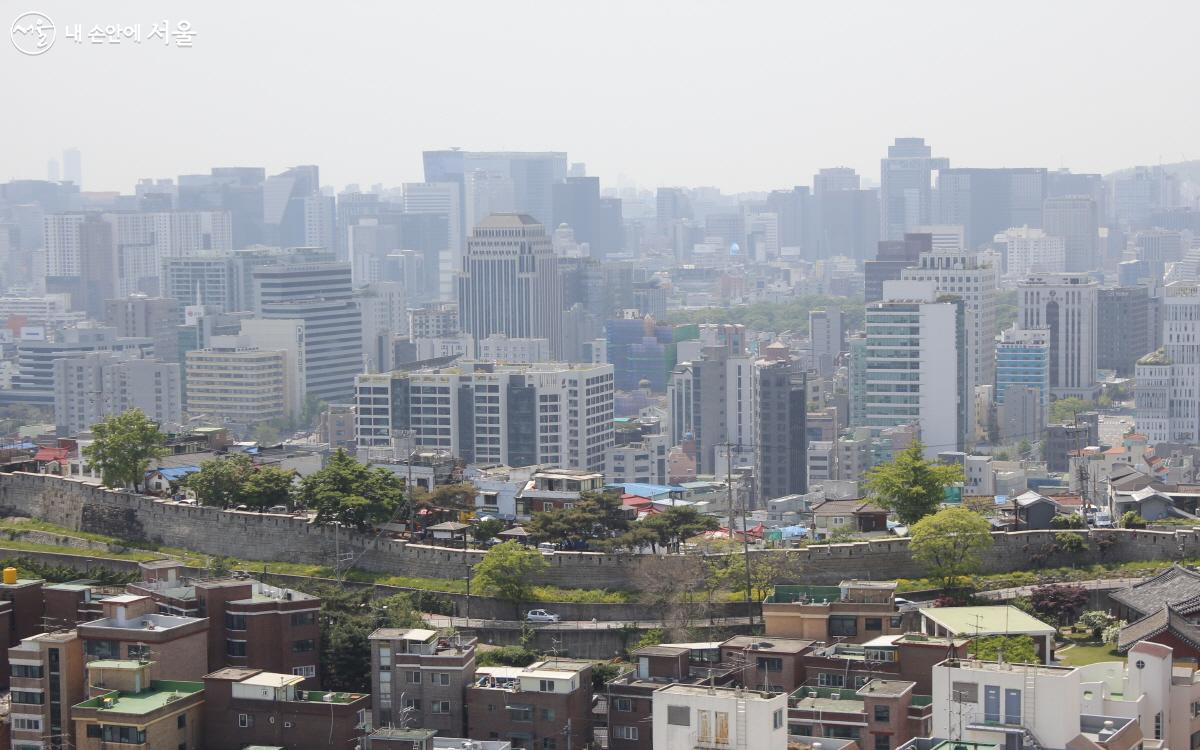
(949, 543)
(266, 433)
(1069, 543)
(1013, 649)
(266, 487)
(1063, 411)
(506, 656)
(1096, 620)
(508, 571)
(123, 447)
(1024, 448)
(911, 486)
(351, 494)
(595, 516)
(220, 481)
(487, 529)
(678, 523)
(1132, 520)
(348, 616)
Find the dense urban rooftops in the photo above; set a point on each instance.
(158, 695)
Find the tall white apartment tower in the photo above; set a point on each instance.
(1167, 393)
(1064, 303)
(915, 371)
(510, 282)
(976, 282)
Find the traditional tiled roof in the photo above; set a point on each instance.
(1165, 620)
(1177, 587)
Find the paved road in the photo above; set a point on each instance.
(442, 621)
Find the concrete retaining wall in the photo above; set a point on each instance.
(251, 536)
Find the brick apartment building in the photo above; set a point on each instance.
(546, 705)
(851, 612)
(419, 679)
(47, 679)
(251, 707)
(128, 707)
(250, 624)
(132, 628)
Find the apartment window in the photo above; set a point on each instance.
(520, 712)
(413, 677)
(412, 703)
(309, 670)
(99, 650)
(680, 716)
(546, 686)
(303, 646)
(440, 707)
(625, 733)
(439, 678)
(303, 618)
(883, 714)
(828, 679)
(547, 714)
(777, 719)
(622, 704)
(770, 664)
(385, 657)
(29, 725)
(873, 623)
(138, 651)
(235, 648)
(181, 722)
(94, 731)
(28, 698)
(235, 622)
(549, 743)
(245, 721)
(28, 671)
(126, 735)
(843, 626)
(883, 742)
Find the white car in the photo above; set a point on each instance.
(540, 615)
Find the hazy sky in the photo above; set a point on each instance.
(744, 95)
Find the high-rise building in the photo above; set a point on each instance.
(1125, 329)
(154, 318)
(321, 295)
(294, 212)
(985, 202)
(711, 401)
(1159, 247)
(641, 350)
(201, 280)
(1028, 250)
(1064, 303)
(891, 258)
(94, 386)
(236, 385)
(532, 175)
(781, 445)
(72, 166)
(1076, 220)
(976, 281)
(34, 381)
(827, 337)
(672, 205)
(510, 282)
(1023, 361)
(1138, 193)
(440, 206)
(906, 187)
(847, 217)
(1167, 390)
(916, 364)
(490, 413)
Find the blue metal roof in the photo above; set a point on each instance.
(646, 490)
(174, 473)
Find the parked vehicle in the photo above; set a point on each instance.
(546, 548)
(277, 509)
(541, 615)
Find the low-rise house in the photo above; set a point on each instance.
(1177, 587)
(545, 705)
(853, 612)
(687, 717)
(128, 707)
(858, 516)
(132, 628)
(420, 677)
(980, 622)
(250, 707)
(552, 489)
(880, 714)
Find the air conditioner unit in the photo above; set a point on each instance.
(287, 725)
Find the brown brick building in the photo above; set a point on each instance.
(852, 612)
(245, 707)
(419, 679)
(127, 707)
(132, 628)
(47, 679)
(539, 706)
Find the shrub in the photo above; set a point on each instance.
(507, 656)
(1131, 520)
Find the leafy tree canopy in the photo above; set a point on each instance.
(508, 571)
(910, 485)
(124, 445)
(351, 494)
(949, 543)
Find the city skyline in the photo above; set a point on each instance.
(652, 75)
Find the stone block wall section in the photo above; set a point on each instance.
(250, 536)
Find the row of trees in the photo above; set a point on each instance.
(599, 520)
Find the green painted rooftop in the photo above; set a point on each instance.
(160, 693)
(968, 621)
